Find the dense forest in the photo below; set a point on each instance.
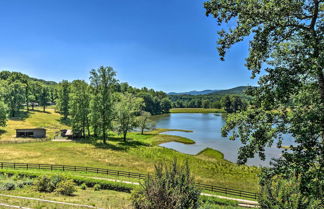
(229, 101)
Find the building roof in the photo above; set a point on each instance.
(21, 129)
(69, 133)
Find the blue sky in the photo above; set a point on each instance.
(167, 45)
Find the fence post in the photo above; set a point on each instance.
(74, 168)
(226, 191)
(38, 166)
(27, 166)
(14, 165)
(1, 165)
(51, 167)
(117, 173)
(97, 170)
(63, 167)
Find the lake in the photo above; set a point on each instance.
(207, 133)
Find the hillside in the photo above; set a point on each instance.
(235, 90)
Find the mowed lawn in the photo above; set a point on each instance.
(138, 154)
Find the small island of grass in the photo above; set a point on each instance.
(211, 154)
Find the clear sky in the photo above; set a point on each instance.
(167, 45)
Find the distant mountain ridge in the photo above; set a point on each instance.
(235, 90)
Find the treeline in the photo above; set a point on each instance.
(230, 103)
(93, 109)
(18, 90)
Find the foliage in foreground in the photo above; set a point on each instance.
(281, 193)
(169, 188)
(55, 183)
(287, 44)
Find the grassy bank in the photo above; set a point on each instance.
(138, 154)
(196, 110)
(211, 154)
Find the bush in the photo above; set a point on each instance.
(97, 187)
(43, 184)
(83, 186)
(65, 187)
(170, 187)
(8, 186)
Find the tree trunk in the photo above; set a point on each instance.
(104, 134)
(125, 134)
(142, 131)
(44, 108)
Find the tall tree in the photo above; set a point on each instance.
(287, 43)
(44, 96)
(15, 97)
(80, 107)
(227, 104)
(63, 98)
(103, 82)
(127, 109)
(3, 106)
(165, 105)
(144, 121)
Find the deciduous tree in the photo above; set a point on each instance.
(102, 81)
(127, 109)
(286, 43)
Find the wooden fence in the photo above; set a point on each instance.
(207, 187)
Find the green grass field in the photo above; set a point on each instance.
(138, 154)
(196, 110)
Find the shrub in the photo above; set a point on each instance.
(170, 187)
(8, 186)
(97, 187)
(65, 187)
(83, 186)
(43, 184)
(279, 192)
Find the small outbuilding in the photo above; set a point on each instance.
(31, 133)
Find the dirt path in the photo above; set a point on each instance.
(12, 206)
(48, 201)
(245, 202)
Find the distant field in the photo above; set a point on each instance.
(138, 154)
(196, 110)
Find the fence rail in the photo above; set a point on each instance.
(207, 187)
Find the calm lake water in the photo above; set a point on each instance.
(207, 133)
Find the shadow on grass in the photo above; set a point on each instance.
(20, 116)
(65, 121)
(41, 111)
(118, 145)
(2, 132)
